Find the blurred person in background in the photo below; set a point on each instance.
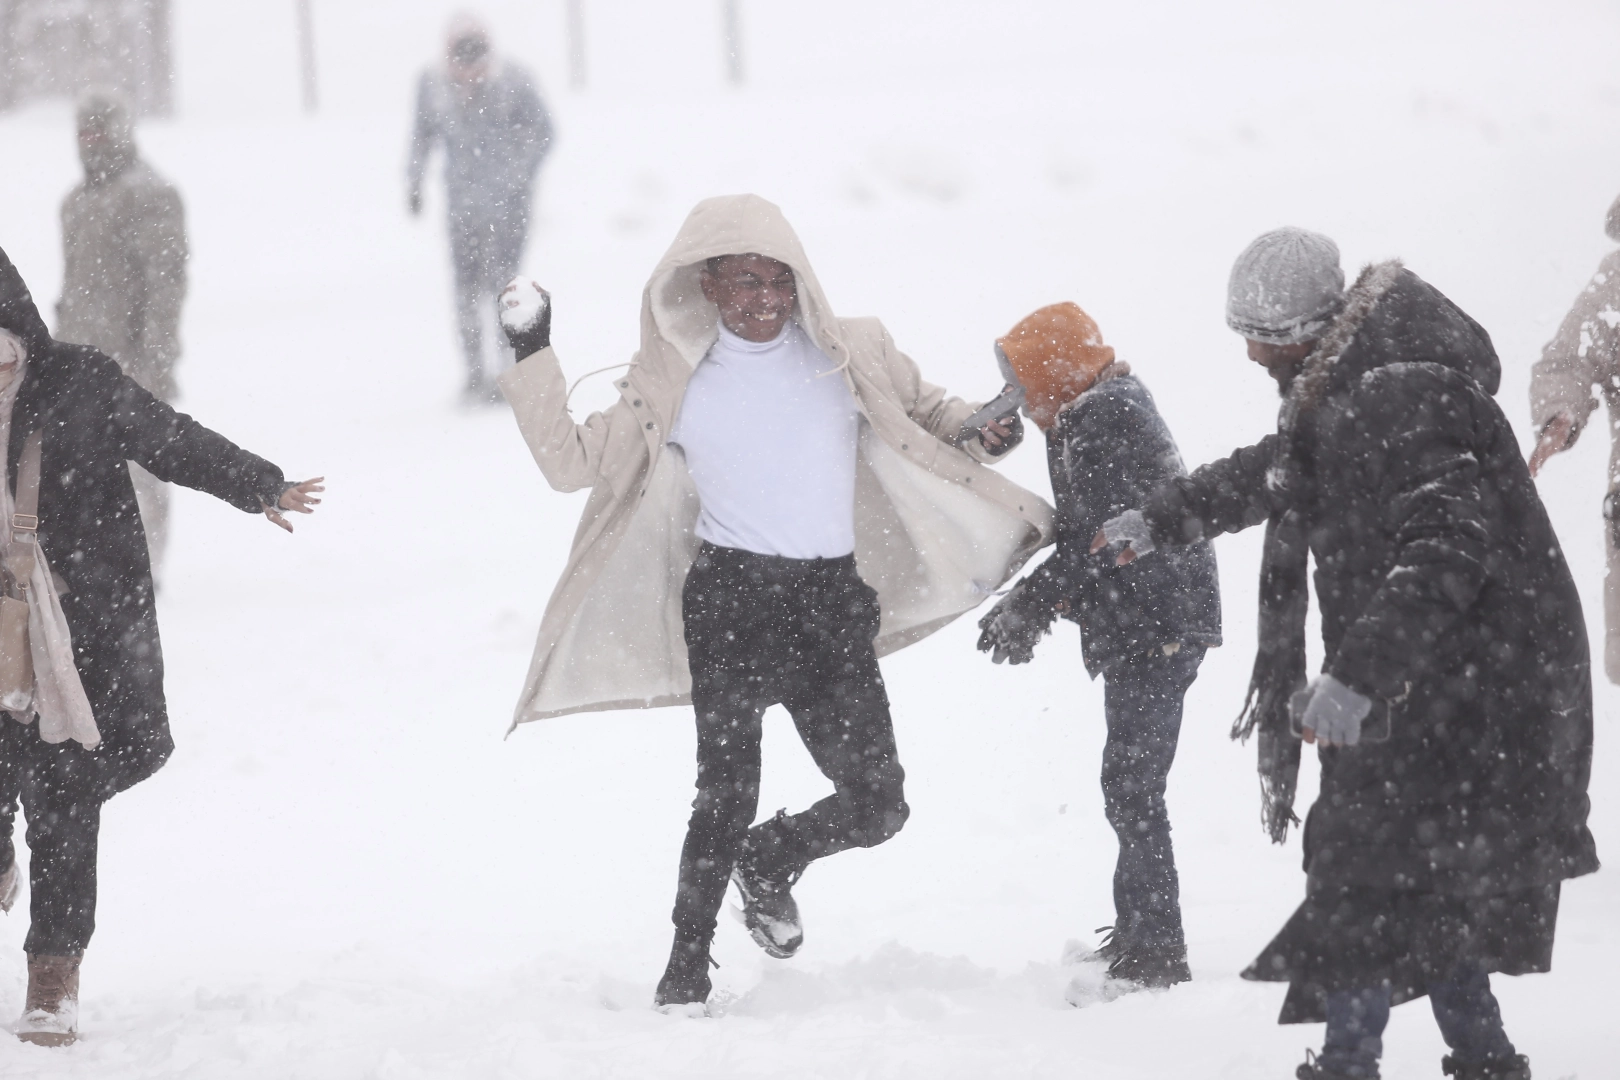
(85, 717)
(1143, 627)
(777, 499)
(1453, 711)
(1582, 356)
(495, 131)
(124, 273)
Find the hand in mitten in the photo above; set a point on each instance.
(1334, 713)
(1131, 530)
(413, 201)
(526, 316)
(1010, 631)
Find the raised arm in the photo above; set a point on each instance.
(931, 408)
(1224, 496)
(1580, 356)
(569, 454)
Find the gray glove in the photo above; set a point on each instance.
(1334, 712)
(1009, 633)
(1129, 528)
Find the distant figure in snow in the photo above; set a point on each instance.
(761, 450)
(1585, 353)
(94, 721)
(495, 131)
(1454, 708)
(1143, 627)
(124, 273)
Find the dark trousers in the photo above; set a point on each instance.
(485, 247)
(1142, 701)
(63, 828)
(1464, 1008)
(762, 630)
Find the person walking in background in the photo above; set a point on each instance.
(495, 131)
(1143, 627)
(1454, 708)
(124, 256)
(761, 449)
(85, 712)
(1583, 355)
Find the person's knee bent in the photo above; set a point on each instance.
(883, 811)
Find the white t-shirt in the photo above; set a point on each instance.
(770, 433)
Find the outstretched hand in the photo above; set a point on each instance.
(525, 316)
(295, 497)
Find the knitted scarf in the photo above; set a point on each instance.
(1279, 663)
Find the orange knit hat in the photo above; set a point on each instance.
(1057, 353)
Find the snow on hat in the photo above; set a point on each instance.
(1611, 224)
(1285, 287)
(1056, 353)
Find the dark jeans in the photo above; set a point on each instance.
(63, 827)
(762, 630)
(484, 251)
(1142, 700)
(1465, 1009)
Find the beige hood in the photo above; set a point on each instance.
(936, 531)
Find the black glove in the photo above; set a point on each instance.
(1016, 423)
(1012, 628)
(526, 316)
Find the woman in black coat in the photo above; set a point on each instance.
(94, 420)
(1451, 623)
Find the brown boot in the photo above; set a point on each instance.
(51, 1014)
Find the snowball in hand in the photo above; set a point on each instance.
(523, 301)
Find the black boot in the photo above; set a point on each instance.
(769, 910)
(1313, 1069)
(1516, 1067)
(686, 978)
(1152, 969)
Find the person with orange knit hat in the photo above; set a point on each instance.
(1144, 627)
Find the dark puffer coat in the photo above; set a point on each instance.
(95, 419)
(1446, 599)
(1107, 452)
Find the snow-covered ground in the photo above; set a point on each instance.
(346, 872)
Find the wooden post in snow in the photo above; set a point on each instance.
(306, 53)
(731, 31)
(576, 44)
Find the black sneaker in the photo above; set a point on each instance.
(686, 978)
(1516, 1067)
(769, 912)
(1149, 970)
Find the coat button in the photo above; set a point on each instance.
(636, 403)
(624, 384)
(649, 425)
(903, 446)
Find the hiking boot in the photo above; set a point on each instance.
(769, 911)
(685, 986)
(1313, 1069)
(1150, 970)
(1516, 1067)
(51, 1012)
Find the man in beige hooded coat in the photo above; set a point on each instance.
(1585, 353)
(653, 610)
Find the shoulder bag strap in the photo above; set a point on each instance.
(25, 517)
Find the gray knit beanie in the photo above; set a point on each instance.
(1611, 224)
(1285, 287)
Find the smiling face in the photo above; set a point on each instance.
(755, 294)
